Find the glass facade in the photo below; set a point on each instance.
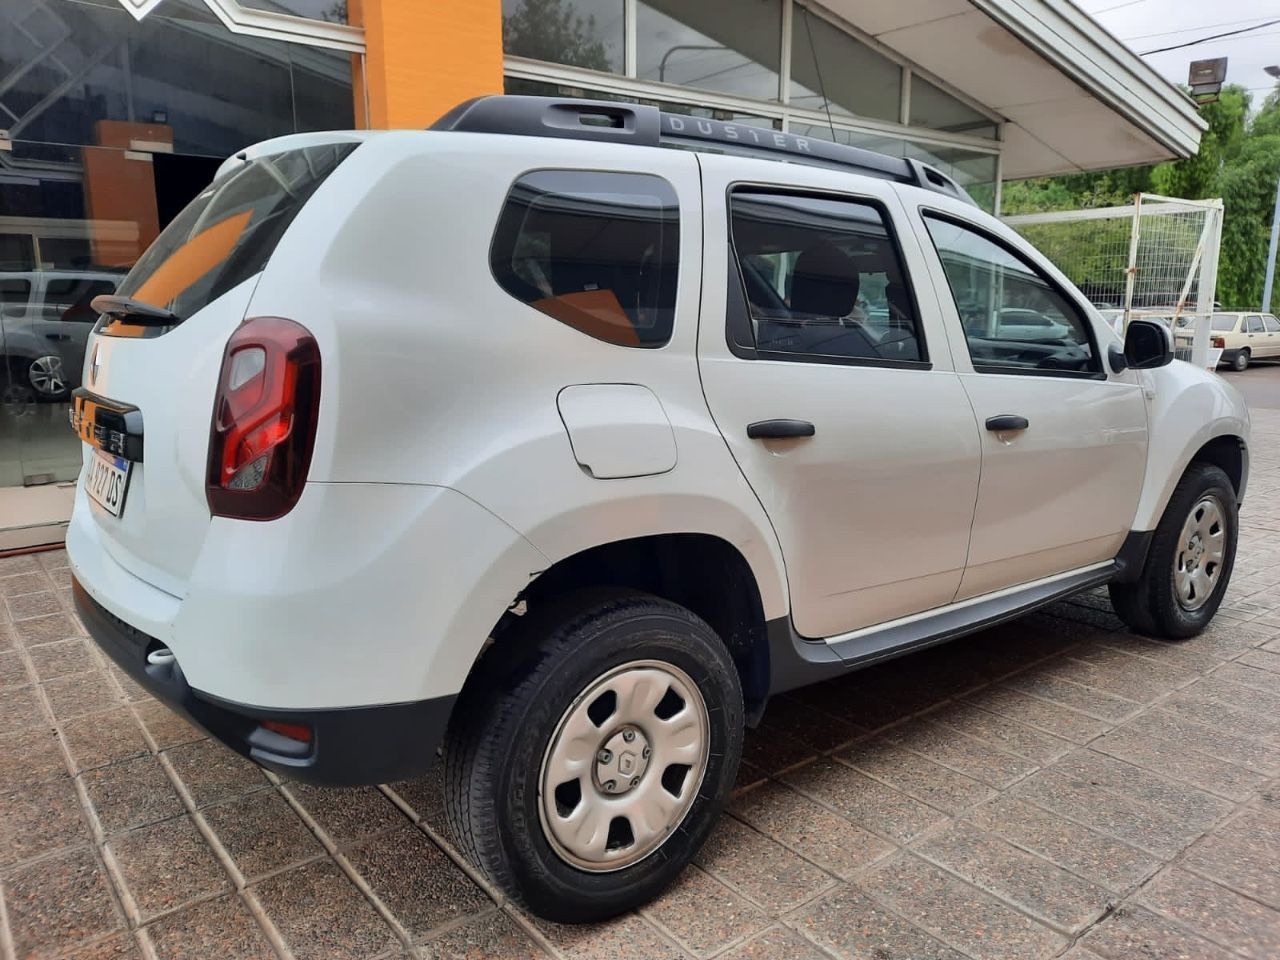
(729, 46)
(576, 33)
(114, 126)
(832, 70)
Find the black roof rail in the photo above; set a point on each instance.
(641, 125)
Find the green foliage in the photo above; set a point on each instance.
(1238, 160)
(553, 30)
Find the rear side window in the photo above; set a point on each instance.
(1254, 325)
(229, 231)
(1271, 323)
(1224, 322)
(597, 251)
(819, 279)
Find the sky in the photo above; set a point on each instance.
(1147, 24)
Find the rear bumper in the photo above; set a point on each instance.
(349, 745)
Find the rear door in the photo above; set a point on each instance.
(1064, 439)
(828, 374)
(203, 268)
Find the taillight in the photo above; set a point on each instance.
(264, 420)
(1218, 343)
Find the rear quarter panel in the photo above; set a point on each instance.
(432, 374)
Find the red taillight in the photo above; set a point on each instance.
(294, 731)
(1218, 343)
(264, 420)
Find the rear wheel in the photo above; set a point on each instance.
(1189, 564)
(592, 753)
(47, 377)
(1241, 361)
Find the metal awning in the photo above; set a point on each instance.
(1073, 97)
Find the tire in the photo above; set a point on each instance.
(1157, 603)
(514, 726)
(1240, 362)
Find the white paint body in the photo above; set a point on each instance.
(467, 442)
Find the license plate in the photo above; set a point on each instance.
(108, 481)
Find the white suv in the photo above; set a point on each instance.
(527, 438)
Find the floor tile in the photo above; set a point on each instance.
(955, 912)
(761, 869)
(131, 793)
(212, 772)
(1030, 883)
(20, 710)
(167, 729)
(865, 801)
(704, 915)
(1094, 856)
(61, 658)
(39, 818)
(221, 929)
(28, 605)
(59, 902)
(494, 935)
(57, 626)
(322, 915)
(629, 937)
(830, 841)
(776, 943)
(104, 738)
(852, 926)
(916, 776)
(262, 833)
(417, 882)
(81, 693)
(1244, 855)
(29, 756)
(1050, 718)
(1216, 913)
(956, 750)
(1134, 931)
(166, 865)
(348, 814)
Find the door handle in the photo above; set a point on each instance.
(57, 336)
(1007, 421)
(777, 429)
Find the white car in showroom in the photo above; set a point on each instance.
(529, 438)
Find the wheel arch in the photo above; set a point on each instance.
(702, 572)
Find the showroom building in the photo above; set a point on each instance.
(114, 113)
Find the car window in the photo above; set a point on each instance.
(1271, 323)
(818, 278)
(1225, 322)
(597, 251)
(1253, 325)
(14, 290)
(68, 298)
(1015, 319)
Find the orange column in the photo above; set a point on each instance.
(119, 188)
(424, 58)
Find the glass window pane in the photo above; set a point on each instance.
(334, 11)
(858, 81)
(934, 108)
(596, 251)
(1013, 317)
(821, 278)
(578, 33)
(731, 46)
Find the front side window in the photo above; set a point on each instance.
(1015, 319)
(596, 251)
(818, 278)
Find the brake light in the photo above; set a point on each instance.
(1218, 343)
(264, 420)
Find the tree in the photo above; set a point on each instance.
(553, 30)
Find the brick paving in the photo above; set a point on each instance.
(1056, 787)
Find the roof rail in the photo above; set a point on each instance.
(610, 122)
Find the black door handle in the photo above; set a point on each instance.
(57, 336)
(776, 429)
(1007, 421)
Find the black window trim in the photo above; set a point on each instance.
(738, 331)
(680, 242)
(1082, 315)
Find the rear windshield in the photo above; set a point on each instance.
(1224, 322)
(228, 232)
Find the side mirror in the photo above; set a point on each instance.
(1147, 344)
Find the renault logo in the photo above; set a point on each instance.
(95, 364)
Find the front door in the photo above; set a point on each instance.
(1064, 440)
(829, 376)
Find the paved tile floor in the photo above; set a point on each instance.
(1056, 787)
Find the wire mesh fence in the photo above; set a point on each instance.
(1155, 258)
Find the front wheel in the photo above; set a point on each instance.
(592, 752)
(1189, 564)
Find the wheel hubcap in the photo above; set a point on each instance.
(1197, 566)
(623, 766)
(46, 375)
